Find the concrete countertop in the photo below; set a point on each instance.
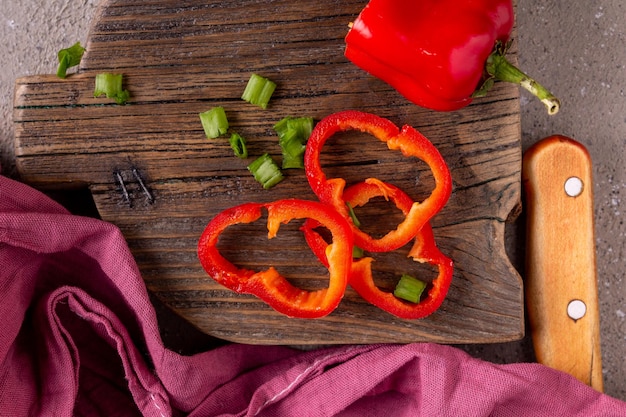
(577, 50)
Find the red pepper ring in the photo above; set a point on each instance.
(424, 250)
(269, 285)
(357, 195)
(362, 281)
(410, 142)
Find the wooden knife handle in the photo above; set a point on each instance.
(561, 279)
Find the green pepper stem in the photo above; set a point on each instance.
(500, 68)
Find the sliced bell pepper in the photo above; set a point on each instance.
(269, 285)
(362, 280)
(410, 142)
(423, 250)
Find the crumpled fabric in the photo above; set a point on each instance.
(79, 337)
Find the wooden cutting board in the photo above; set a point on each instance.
(152, 172)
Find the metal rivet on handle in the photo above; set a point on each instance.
(573, 186)
(576, 309)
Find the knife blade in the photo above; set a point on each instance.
(561, 278)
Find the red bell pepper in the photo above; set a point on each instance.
(410, 142)
(439, 54)
(423, 250)
(356, 196)
(269, 285)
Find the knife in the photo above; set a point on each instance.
(561, 279)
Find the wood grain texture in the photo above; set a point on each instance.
(182, 58)
(561, 262)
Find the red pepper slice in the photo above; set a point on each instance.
(269, 285)
(439, 53)
(356, 196)
(410, 142)
(424, 250)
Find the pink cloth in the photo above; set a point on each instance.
(79, 337)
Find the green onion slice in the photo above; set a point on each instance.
(355, 220)
(258, 91)
(293, 152)
(69, 57)
(214, 122)
(238, 143)
(293, 133)
(357, 252)
(111, 86)
(266, 171)
(409, 288)
(300, 126)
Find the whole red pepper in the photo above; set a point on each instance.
(439, 54)
(268, 284)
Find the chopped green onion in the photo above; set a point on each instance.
(214, 122)
(111, 85)
(355, 220)
(293, 133)
(409, 288)
(265, 171)
(303, 126)
(238, 144)
(293, 151)
(258, 91)
(69, 57)
(357, 252)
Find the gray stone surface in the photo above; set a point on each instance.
(576, 49)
